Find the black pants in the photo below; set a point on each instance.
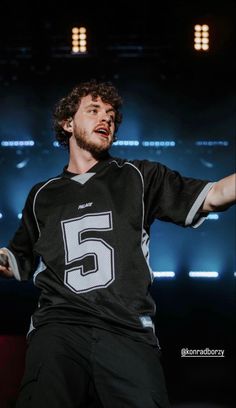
(78, 367)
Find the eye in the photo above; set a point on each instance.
(93, 110)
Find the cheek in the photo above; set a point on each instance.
(82, 127)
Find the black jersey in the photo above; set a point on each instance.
(85, 240)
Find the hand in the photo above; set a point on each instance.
(3, 260)
(5, 269)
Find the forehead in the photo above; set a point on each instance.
(89, 100)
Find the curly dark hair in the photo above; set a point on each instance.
(68, 106)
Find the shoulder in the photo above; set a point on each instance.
(40, 186)
(139, 164)
(144, 167)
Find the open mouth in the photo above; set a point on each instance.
(103, 132)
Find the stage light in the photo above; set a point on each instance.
(164, 274)
(19, 216)
(79, 40)
(22, 164)
(158, 143)
(75, 30)
(203, 274)
(126, 143)
(146, 143)
(1, 215)
(17, 143)
(212, 143)
(213, 217)
(201, 37)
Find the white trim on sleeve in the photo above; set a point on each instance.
(195, 207)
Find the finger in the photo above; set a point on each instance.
(6, 272)
(3, 260)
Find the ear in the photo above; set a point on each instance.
(68, 125)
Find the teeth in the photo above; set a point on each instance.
(102, 131)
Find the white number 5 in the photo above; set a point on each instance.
(102, 273)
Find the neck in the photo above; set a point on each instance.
(81, 163)
(80, 160)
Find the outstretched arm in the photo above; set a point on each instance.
(18, 259)
(222, 195)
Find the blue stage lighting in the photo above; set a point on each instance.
(164, 274)
(22, 164)
(203, 274)
(213, 217)
(17, 143)
(158, 143)
(126, 143)
(212, 143)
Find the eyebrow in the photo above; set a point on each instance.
(96, 105)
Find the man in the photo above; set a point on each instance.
(86, 233)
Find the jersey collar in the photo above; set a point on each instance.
(95, 169)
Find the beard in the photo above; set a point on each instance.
(98, 150)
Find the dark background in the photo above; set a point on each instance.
(171, 93)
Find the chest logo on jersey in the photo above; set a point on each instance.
(85, 205)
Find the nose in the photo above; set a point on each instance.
(105, 117)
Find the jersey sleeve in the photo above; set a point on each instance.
(170, 197)
(20, 249)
